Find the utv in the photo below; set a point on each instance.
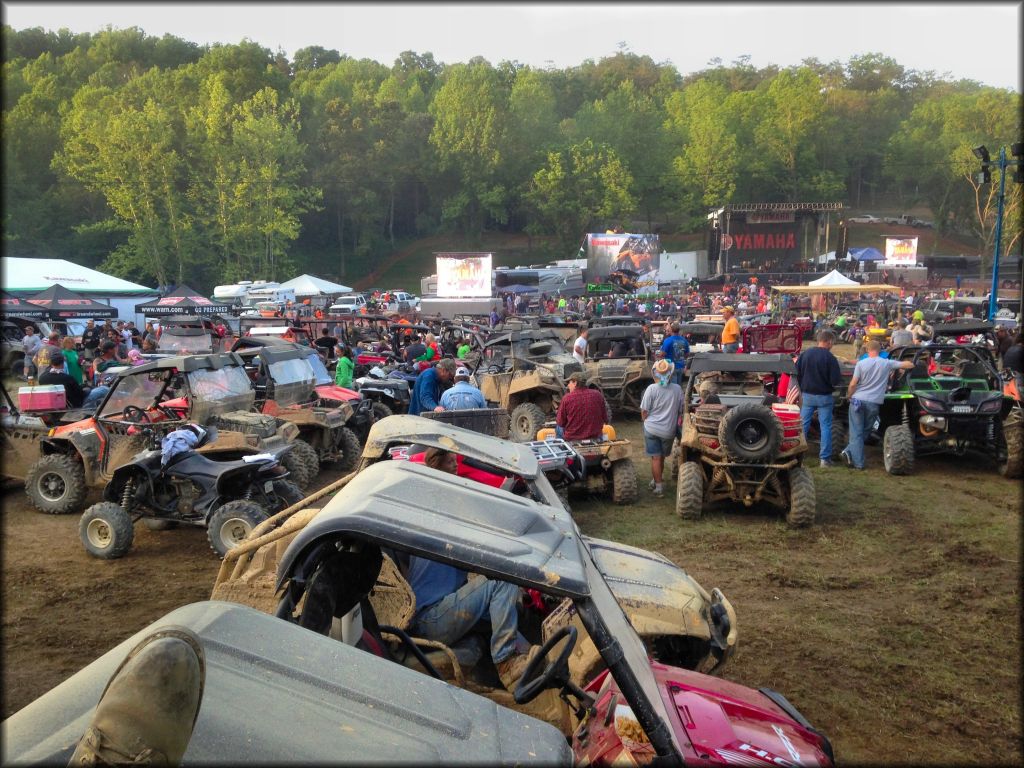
(593, 676)
(84, 449)
(739, 441)
(618, 358)
(951, 401)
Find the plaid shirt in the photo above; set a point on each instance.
(582, 414)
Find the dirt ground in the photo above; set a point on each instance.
(893, 623)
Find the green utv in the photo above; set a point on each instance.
(951, 401)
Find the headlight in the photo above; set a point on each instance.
(991, 406)
(932, 405)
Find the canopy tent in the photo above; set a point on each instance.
(864, 254)
(26, 276)
(181, 301)
(310, 285)
(834, 278)
(59, 303)
(13, 306)
(855, 288)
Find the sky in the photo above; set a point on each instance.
(976, 41)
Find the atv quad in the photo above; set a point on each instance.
(739, 441)
(84, 450)
(607, 465)
(958, 407)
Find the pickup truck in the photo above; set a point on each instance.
(907, 220)
(403, 302)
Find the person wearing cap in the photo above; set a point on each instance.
(426, 392)
(659, 408)
(108, 357)
(76, 396)
(462, 395)
(583, 411)
(731, 331)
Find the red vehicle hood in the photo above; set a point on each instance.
(737, 725)
(334, 392)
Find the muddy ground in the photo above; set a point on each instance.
(893, 624)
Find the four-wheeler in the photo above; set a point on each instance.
(618, 358)
(229, 498)
(739, 442)
(602, 673)
(951, 401)
(83, 450)
(524, 372)
(389, 394)
(607, 464)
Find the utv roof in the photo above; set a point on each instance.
(477, 528)
(701, 328)
(616, 332)
(243, 343)
(963, 327)
(374, 318)
(274, 353)
(598, 322)
(739, 362)
(186, 363)
(184, 330)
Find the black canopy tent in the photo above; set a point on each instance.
(181, 301)
(58, 303)
(13, 306)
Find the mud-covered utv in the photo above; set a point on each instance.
(619, 360)
(343, 574)
(951, 401)
(84, 449)
(524, 372)
(739, 441)
(682, 624)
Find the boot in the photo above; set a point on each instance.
(150, 705)
(511, 669)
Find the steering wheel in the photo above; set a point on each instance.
(531, 684)
(130, 411)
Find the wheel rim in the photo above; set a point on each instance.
(234, 531)
(99, 534)
(751, 434)
(52, 486)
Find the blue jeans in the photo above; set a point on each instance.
(453, 617)
(862, 419)
(734, 347)
(96, 394)
(823, 405)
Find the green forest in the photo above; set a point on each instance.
(163, 161)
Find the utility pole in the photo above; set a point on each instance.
(985, 177)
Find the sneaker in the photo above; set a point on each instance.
(658, 491)
(150, 705)
(652, 485)
(511, 669)
(826, 463)
(847, 457)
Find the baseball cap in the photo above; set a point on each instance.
(463, 371)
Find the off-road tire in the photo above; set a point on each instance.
(840, 437)
(302, 463)
(1013, 433)
(747, 417)
(624, 481)
(381, 411)
(898, 450)
(56, 484)
(106, 530)
(527, 420)
(159, 524)
(17, 368)
(690, 491)
(287, 493)
(803, 502)
(230, 523)
(350, 449)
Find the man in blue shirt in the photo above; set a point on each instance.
(676, 349)
(463, 394)
(867, 393)
(817, 371)
(426, 392)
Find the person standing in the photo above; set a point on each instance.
(1013, 361)
(345, 367)
(91, 339)
(901, 337)
(866, 393)
(676, 348)
(659, 408)
(818, 374)
(32, 343)
(462, 395)
(579, 347)
(731, 331)
(426, 392)
(71, 361)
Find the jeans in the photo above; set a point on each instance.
(862, 419)
(823, 405)
(92, 400)
(451, 618)
(733, 347)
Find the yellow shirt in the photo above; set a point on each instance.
(731, 332)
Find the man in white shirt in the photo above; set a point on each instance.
(579, 348)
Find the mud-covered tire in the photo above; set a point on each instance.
(302, 463)
(1013, 433)
(56, 484)
(230, 523)
(526, 420)
(624, 481)
(898, 450)
(350, 449)
(750, 432)
(157, 524)
(803, 502)
(840, 438)
(381, 411)
(287, 493)
(106, 530)
(690, 491)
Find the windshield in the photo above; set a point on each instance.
(320, 371)
(220, 384)
(139, 390)
(174, 344)
(291, 371)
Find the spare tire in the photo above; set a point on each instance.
(750, 432)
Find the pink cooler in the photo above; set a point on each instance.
(48, 397)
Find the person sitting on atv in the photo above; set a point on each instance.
(583, 411)
(449, 604)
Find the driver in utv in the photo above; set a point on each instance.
(449, 604)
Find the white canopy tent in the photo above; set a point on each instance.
(307, 286)
(834, 279)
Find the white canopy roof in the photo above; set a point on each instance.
(310, 285)
(26, 276)
(834, 279)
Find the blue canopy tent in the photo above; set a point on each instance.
(864, 254)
